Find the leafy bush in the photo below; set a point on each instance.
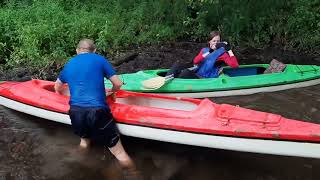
(38, 33)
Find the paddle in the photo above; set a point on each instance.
(158, 82)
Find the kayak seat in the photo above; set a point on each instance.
(169, 104)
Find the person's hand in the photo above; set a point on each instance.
(111, 94)
(224, 44)
(65, 91)
(220, 71)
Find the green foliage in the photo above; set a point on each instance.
(304, 24)
(37, 33)
(44, 31)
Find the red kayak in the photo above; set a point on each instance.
(179, 120)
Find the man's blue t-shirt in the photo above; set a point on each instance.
(85, 74)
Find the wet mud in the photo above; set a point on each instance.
(35, 148)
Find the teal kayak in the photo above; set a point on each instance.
(244, 80)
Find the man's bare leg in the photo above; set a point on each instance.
(122, 156)
(84, 143)
(129, 168)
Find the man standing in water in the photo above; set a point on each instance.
(89, 113)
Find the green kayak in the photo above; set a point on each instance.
(247, 79)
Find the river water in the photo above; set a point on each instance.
(34, 148)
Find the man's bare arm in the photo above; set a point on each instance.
(116, 82)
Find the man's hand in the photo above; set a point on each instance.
(116, 83)
(111, 94)
(220, 71)
(58, 87)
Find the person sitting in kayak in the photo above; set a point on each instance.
(208, 63)
(210, 59)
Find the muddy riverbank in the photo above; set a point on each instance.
(163, 56)
(34, 148)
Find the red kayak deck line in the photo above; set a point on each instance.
(179, 114)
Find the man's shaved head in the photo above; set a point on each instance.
(86, 45)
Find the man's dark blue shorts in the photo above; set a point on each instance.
(96, 123)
